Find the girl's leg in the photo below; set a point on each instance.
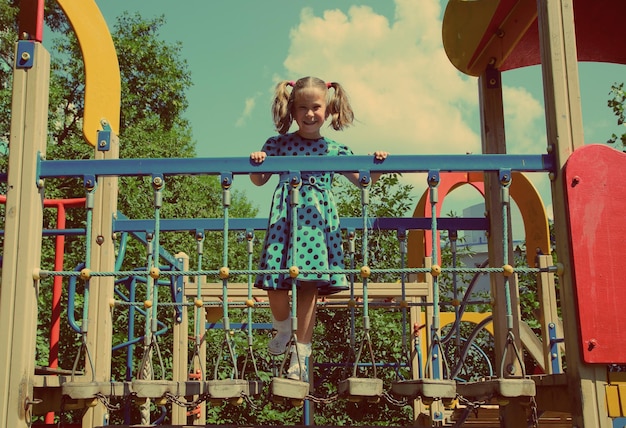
(306, 310)
(281, 321)
(279, 304)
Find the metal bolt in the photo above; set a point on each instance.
(592, 344)
(25, 56)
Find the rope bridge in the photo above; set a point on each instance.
(434, 382)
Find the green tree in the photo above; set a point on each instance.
(155, 79)
(616, 103)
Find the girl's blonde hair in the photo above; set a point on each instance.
(337, 105)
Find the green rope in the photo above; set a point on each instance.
(250, 239)
(505, 252)
(215, 272)
(225, 206)
(158, 195)
(364, 250)
(89, 202)
(293, 200)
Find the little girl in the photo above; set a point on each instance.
(318, 241)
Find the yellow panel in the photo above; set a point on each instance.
(472, 317)
(464, 27)
(464, 24)
(534, 215)
(612, 401)
(622, 398)
(102, 71)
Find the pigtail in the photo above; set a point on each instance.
(339, 108)
(281, 107)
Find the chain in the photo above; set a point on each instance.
(322, 400)
(534, 418)
(182, 403)
(250, 401)
(106, 403)
(473, 405)
(391, 400)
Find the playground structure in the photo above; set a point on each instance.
(481, 38)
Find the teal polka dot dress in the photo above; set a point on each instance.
(318, 239)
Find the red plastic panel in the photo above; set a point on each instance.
(30, 20)
(595, 177)
(599, 26)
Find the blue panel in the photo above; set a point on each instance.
(279, 164)
(104, 141)
(217, 224)
(619, 423)
(25, 54)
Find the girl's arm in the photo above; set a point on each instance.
(259, 178)
(354, 177)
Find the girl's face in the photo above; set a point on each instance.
(309, 112)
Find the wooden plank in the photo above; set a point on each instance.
(239, 291)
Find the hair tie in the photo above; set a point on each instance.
(329, 85)
(291, 83)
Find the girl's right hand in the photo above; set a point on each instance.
(258, 157)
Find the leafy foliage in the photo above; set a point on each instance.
(616, 103)
(155, 82)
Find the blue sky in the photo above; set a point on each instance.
(407, 97)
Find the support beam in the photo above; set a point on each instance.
(494, 141)
(565, 134)
(22, 239)
(100, 328)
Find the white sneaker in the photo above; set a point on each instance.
(298, 369)
(278, 344)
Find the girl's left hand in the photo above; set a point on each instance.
(380, 155)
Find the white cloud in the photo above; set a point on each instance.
(525, 121)
(406, 95)
(249, 106)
